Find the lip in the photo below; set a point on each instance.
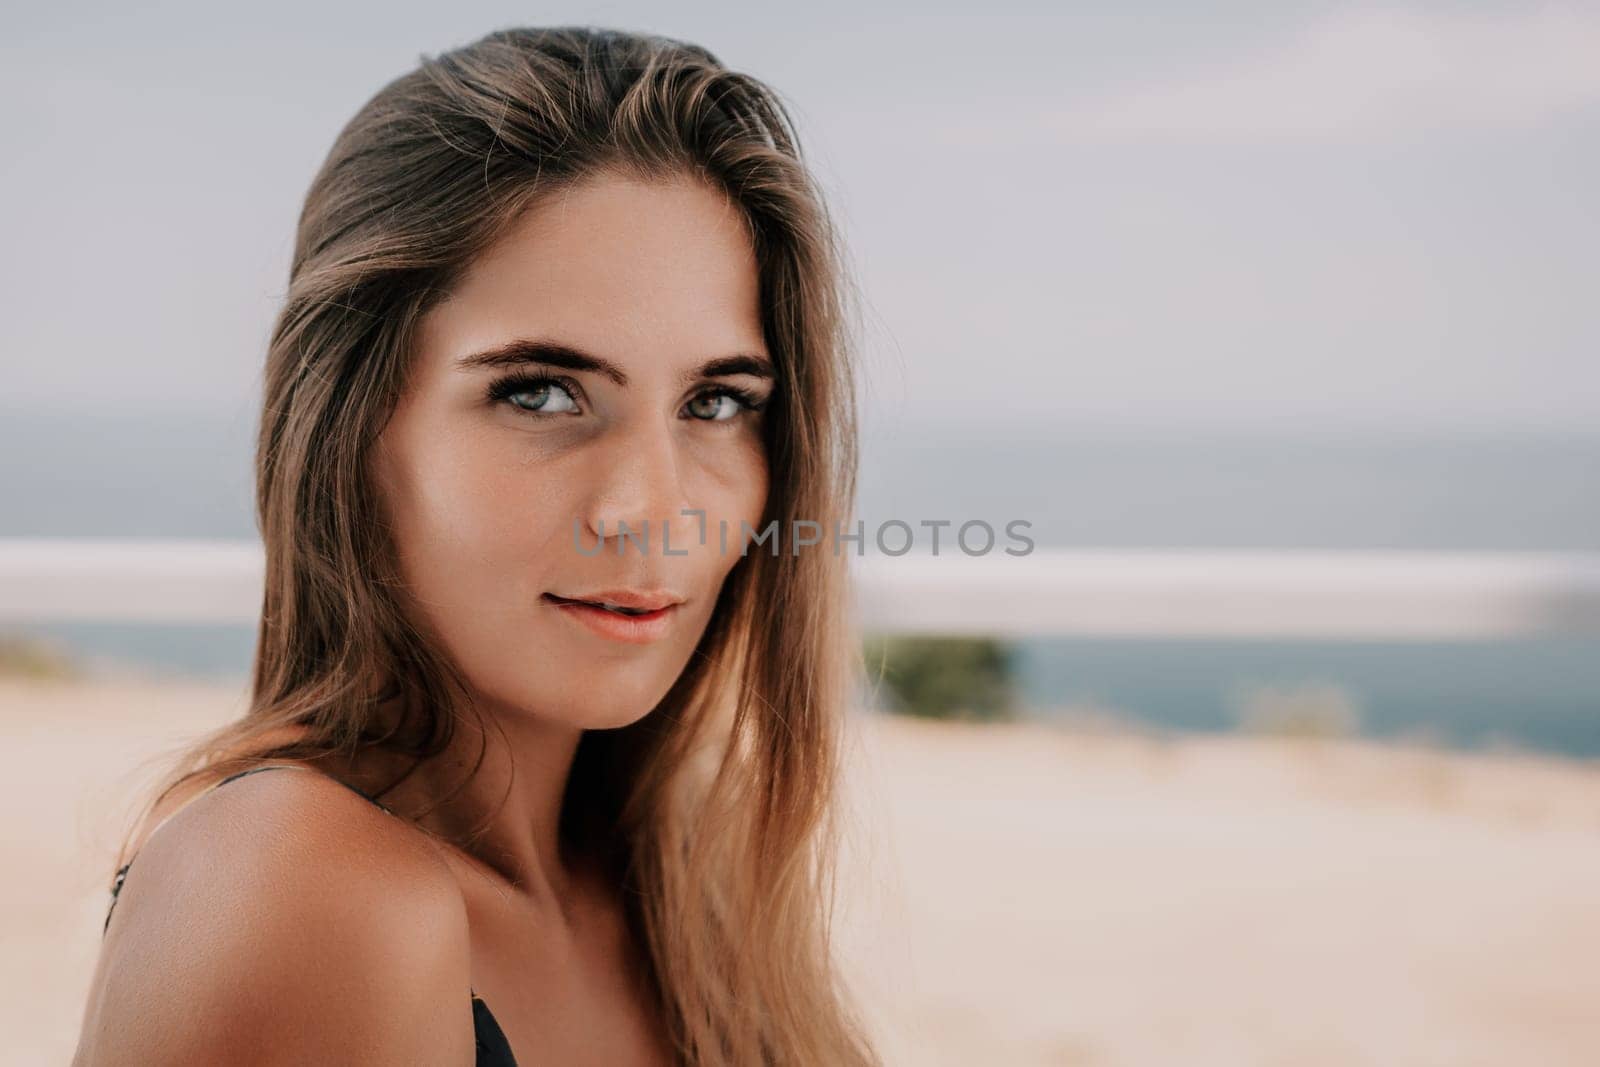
(629, 629)
(644, 600)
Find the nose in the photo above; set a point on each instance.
(637, 484)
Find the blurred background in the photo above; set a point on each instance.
(1274, 321)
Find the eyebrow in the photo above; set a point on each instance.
(524, 351)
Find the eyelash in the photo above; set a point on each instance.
(507, 387)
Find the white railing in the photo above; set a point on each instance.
(1085, 592)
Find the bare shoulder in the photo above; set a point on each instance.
(283, 919)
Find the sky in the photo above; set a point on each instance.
(1125, 215)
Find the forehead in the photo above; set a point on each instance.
(624, 267)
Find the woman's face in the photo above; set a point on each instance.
(602, 363)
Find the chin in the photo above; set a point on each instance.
(593, 710)
(613, 719)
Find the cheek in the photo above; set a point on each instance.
(734, 501)
(733, 481)
(468, 521)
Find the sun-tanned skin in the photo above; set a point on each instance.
(282, 917)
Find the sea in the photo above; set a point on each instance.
(138, 475)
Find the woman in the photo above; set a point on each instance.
(546, 791)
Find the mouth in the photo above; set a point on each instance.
(623, 602)
(628, 617)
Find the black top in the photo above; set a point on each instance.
(492, 1048)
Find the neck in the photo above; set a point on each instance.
(505, 815)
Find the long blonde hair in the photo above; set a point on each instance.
(717, 807)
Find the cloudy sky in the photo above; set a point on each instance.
(1121, 214)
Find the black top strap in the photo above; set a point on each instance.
(122, 872)
(299, 766)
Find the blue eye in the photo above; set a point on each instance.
(727, 404)
(536, 395)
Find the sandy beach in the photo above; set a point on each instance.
(1028, 894)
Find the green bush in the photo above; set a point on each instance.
(24, 655)
(943, 677)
